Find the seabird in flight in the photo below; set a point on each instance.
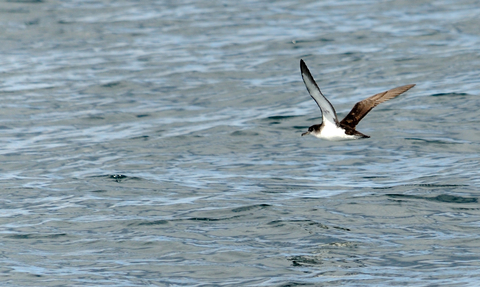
(331, 128)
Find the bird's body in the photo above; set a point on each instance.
(328, 131)
(331, 128)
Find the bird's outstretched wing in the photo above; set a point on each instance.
(328, 112)
(362, 108)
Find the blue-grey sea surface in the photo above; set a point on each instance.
(157, 143)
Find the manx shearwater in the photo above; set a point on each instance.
(331, 128)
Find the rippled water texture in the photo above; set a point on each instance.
(157, 143)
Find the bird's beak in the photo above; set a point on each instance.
(305, 133)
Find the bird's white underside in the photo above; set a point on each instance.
(332, 132)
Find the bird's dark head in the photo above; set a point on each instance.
(312, 129)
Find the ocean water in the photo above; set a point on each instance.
(157, 143)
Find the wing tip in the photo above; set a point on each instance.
(303, 66)
(408, 87)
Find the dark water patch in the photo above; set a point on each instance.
(293, 284)
(149, 223)
(111, 84)
(312, 41)
(244, 133)
(322, 39)
(118, 177)
(211, 219)
(15, 10)
(273, 187)
(143, 115)
(425, 185)
(453, 199)
(204, 219)
(443, 198)
(144, 58)
(323, 226)
(275, 120)
(63, 21)
(449, 94)
(406, 59)
(99, 190)
(374, 177)
(326, 255)
(141, 138)
(353, 56)
(342, 244)
(303, 222)
(32, 22)
(277, 223)
(36, 236)
(464, 208)
(26, 1)
(341, 228)
(302, 260)
(308, 225)
(165, 89)
(433, 185)
(279, 118)
(250, 207)
(96, 118)
(317, 224)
